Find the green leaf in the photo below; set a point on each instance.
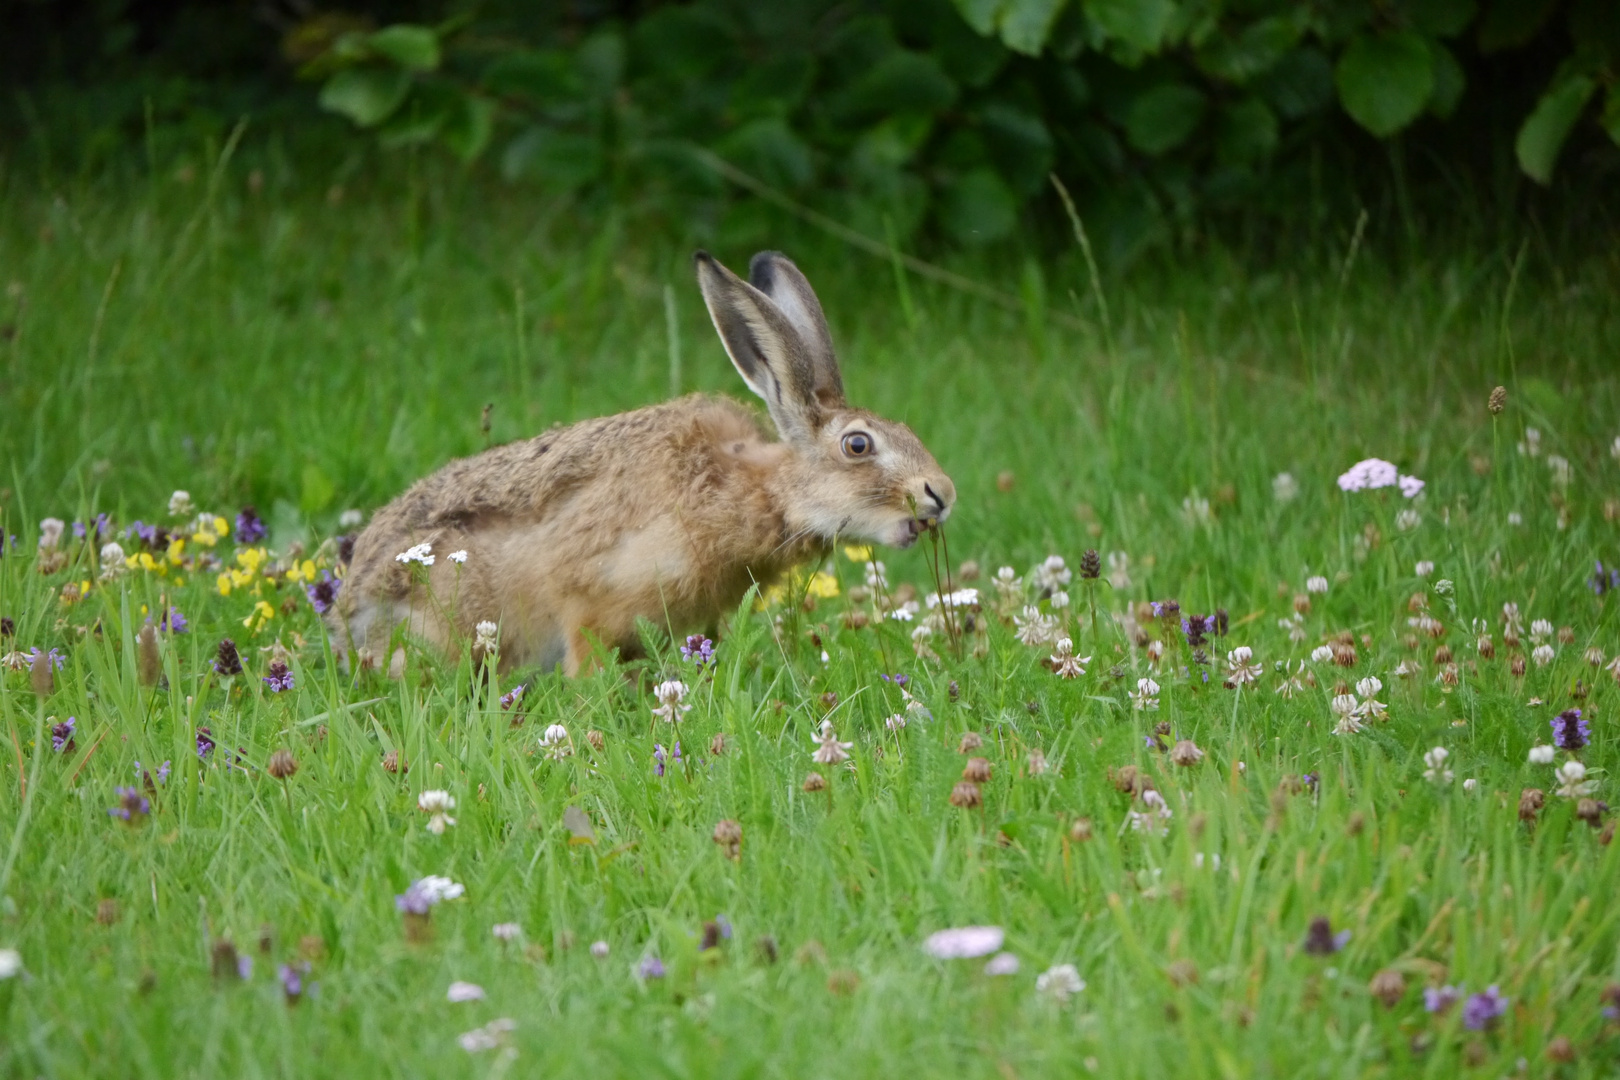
(1239, 58)
(1449, 81)
(367, 96)
(414, 48)
(770, 150)
(1440, 18)
(1246, 131)
(980, 14)
(562, 158)
(1549, 124)
(1140, 24)
(1299, 84)
(903, 81)
(546, 75)
(978, 208)
(1020, 146)
(468, 128)
(1385, 81)
(1162, 118)
(1026, 24)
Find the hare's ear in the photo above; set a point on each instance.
(766, 348)
(774, 274)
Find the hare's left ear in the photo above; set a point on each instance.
(767, 349)
(774, 274)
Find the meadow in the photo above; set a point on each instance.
(1209, 849)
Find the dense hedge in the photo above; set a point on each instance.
(901, 114)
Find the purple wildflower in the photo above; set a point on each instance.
(279, 679)
(228, 661)
(62, 736)
(650, 968)
(345, 550)
(1320, 940)
(205, 743)
(132, 805)
(249, 527)
(244, 966)
(725, 926)
(1603, 580)
(1194, 627)
(1611, 1002)
(292, 981)
(1438, 999)
(414, 900)
(7, 627)
(699, 650)
(897, 679)
(1312, 780)
(1481, 1010)
(173, 622)
(146, 777)
(151, 536)
(58, 661)
(103, 525)
(658, 759)
(323, 593)
(514, 696)
(1570, 732)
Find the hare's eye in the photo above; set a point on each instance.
(857, 444)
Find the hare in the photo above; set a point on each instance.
(668, 512)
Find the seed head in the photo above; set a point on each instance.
(1186, 753)
(282, 765)
(148, 664)
(1182, 972)
(971, 741)
(1516, 666)
(967, 795)
(229, 965)
(392, 762)
(227, 661)
(1080, 831)
(1090, 565)
(1591, 812)
(107, 911)
(977, 770)
(728, 834)
(1531, 800)
(598, 740)
(1497, 401)
(1388, 986)
(815, 782)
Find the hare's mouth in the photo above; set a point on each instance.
(911, 528)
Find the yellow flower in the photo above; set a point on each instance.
(224, 582)
(823, 585)
(304, 571)
(146, 562)
(132, 561)
(250, 559)
(261, 614)
(858, 552)
(221, 526)
(177, 549)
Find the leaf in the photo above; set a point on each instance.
(1246, 131)
(1449, 81)
(367, 96)
(1239, 58)
(468, 128)
(1440, 18)
(1384, 81)
(1549, 124)
(563, 158)
(903, 81)
(546, 75)
(1299, 84)
(1026, 24)
(1020, 146)
(1140, 24)
(978, 208)
(980, 14)
(414, 48)
(1162, 118)
(771, 151)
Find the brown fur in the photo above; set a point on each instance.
(668, 512)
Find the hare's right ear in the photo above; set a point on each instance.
(768, 350)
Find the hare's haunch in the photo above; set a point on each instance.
(667, 513)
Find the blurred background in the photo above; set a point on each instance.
(927, 124)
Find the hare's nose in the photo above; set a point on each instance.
(942, 502)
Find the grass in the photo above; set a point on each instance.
(307, 354)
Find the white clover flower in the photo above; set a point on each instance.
(1059, 600)
(1530, 446)
(599, 949)
(11, 964)
(180, 504)
(1240, 666)
(1066, 665)
(1368, 474)
(1541, 630)
(1155, 820)
(1369, 687)
(1052, 573)
(350, 518)
(437, 803)
(1470, 784)
(1146, 698)
(1436, 761)
(1348, 711)
(961, 598)
(1322, 654)
(1033, 628)
(1543, 755)
(875, 576)
(435, 889)
(1293, 681)
(1284, 488)
(1195, 508)
(1511, 616)
(50, 533)
(964, 942)
(555, 743)
(1542, 655)
(670, 694)
(1119, 570)
(1572, 781)
(457, 557)
(112, 554)
(1155, 651)
(829, 751)
(1408, 519)
(1213, 860)
(1059, 982)
(896, 722)
(1515, 518)
(493, 1034)
(902, 614)
(1316, 584)
(506, 931)
(485, 636)
(1562, 473)
(1424, 568)
(464, 991)
(1005, 963)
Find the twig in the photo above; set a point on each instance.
(1091, 263)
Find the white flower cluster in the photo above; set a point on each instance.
(417, 553)
(1376, 473)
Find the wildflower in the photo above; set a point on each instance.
(1594, 656)
(1424, 568)
(506, 931)
(1292, 682)
(1570, 732)
(227, 661)
(437, 803)
(486, 638)
(1368, 474)
(977, 770)
(1388, 986)
(457, 557)
(323, 593)
(670, 694)
(132, 806)
(964, 942)
(1034, 628)
(1155, 652)
(1284, 488)
(1005, 963)
(1195, 508)
(1613, 668)
(495, 1033)
(1562, 472)
(599, 949)
(1542, 655)
(1051, 574)
(1322, 654)
(829, 751)
(1155, 819)
(424, 894)
(1531, 800)
(1440, 999)
(1090, 565)
(1603, 580)
(728, 834)
(1059, 982)
(205, 743)
(1411, 486)
(1481, 1010)
(144, 775)
(1320, 940)
(698, 650)
(292, 982)
(1066, 665)
(650, 968)
(62, 736)
(228, 964)
(279, 678)
(180, 505)
(1145, 699)
(1186, 753)
(1541, 630)
(1119, 570)
(1572, 781)
(1542, 755)
(1530, 445)
(965, 795)
(417, 553)
(1036, 763)
(1347, 709)
(1316, 584)
(1241, 667)
(556, 744)
(1436, 770)
(464, 991)
(1515, 518)
(1407, 520)
(249, 527)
